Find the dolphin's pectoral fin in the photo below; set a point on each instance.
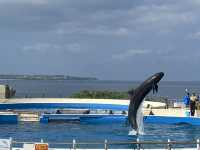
(155, 88)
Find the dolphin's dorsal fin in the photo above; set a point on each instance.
(131, 92)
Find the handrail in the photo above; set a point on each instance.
(106, 143)
(116, 142)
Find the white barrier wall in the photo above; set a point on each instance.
(5, 144)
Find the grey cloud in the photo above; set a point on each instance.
(97, 30)
(153, 33)
(74, 47)
(41, 48)
(130, 53)
(44, 48)
(163, 18)
(48, 16)
(98, 17)
(37, 2)
(195, 35)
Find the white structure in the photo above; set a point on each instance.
(2, 91)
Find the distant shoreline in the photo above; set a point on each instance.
(44, 77)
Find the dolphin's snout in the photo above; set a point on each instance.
(158, 76)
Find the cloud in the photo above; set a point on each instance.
(195, 35)
(154, 30)
(129, 20)
(74, 48)
(44, 48)
(159, 17)
(40, 48)
(96, 30)
(130, 53)
(38, 2)
(95, 18)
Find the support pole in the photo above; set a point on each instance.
(11, 143)
(106, 144)
(169, 144)
(74, 144)
(138, 144)
(198, 144)
(42, 141)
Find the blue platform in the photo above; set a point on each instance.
(172, 120)
(91, 106)
(83, 118)
(8, 118)
(94, 119)
(45, 118)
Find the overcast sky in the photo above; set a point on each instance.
(107, 39)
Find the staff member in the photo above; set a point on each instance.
(193, 100)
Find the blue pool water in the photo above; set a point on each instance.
(66, 132)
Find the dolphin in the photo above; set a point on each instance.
(137, 96)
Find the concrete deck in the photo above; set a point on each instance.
(78, 100)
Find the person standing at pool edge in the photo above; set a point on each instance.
(193, 100)
(186, 99)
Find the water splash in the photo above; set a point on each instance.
(139, 119)
(132, 132)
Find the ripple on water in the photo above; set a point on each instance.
(60, 132)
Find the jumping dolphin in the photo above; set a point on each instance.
(137, 96)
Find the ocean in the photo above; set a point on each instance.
(65, 88)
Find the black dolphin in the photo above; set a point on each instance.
(137, 96)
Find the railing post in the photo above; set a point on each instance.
(74, 144)
(138, 144)
(42, 141)
(198, 144)
(11, 143)
(106, 144)
(169, 144)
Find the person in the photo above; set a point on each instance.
(186, 100)
(193, 100)
(151, 112)
(198, 97)
(58, 111)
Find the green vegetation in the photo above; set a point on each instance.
(101, 95)
(112, 95)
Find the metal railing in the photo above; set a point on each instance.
(138, 144)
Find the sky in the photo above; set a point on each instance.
(107, 39)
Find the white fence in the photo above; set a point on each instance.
(7, 144)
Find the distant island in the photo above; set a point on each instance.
(46, 77)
